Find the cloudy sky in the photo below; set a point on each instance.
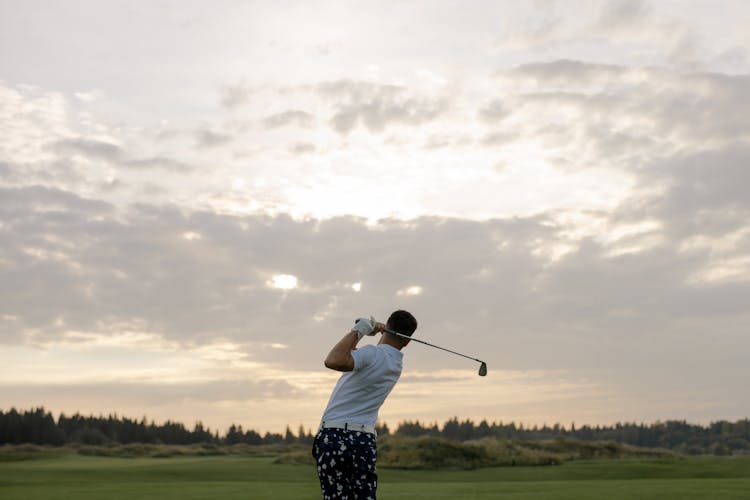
(197, 198)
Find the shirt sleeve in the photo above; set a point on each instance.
(363, 357)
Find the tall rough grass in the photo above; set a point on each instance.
(439, 453)
(136, 450)
(393, 451)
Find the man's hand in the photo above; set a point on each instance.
(377, 327)
(364, 326)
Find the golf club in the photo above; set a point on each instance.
(482, 367)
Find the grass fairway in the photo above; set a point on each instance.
(84, 477)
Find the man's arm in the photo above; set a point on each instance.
(340, 358)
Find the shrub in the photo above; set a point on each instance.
(439, 453)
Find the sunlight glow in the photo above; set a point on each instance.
(276, 345)
(736, 269)
(412, 290)
(190, 235)
(284, 281)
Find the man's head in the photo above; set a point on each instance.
(402, 322)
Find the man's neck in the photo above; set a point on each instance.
(392, 341)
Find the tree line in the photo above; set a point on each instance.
(38, 426)
(719, 438)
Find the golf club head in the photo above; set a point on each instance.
(483, 369)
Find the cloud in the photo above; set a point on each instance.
(378, 106)
(301, 148)
(637, 31)
(7, 173)
(206, 138)
(112, 153)
(234, 97)
(289, 117)
(499, 138)
(92, 148)
(52, 140)
(712, 180)
(493, 111)
(643, 121)
(15, 202)
(30, 119)
(545, 27)
(439, 141)
(496, 277)
(112, 393)
(159, 162)
(598, 116)
(569, 72)
(703, 210)
(622, 13)
(732, 59)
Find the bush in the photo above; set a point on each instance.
(572, 449)
(439, 453)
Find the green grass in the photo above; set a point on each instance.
(47, 476)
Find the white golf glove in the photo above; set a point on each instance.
(364, 326)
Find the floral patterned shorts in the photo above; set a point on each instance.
(346, 464)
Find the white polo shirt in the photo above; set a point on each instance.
(360, 393)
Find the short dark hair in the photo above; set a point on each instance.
(402, 322)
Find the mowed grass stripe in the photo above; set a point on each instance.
(573, 489)
(263, 468)
(699, 467)
(593, 489)
(229, 477)
(168, 490)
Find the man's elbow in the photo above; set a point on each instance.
(338, 365)
(331, 363)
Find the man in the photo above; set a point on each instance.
(345, 447)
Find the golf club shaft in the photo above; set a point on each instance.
(431, 345)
